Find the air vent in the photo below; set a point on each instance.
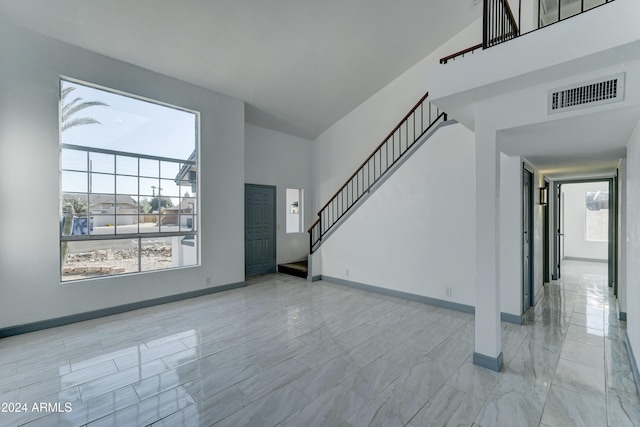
(597, 92)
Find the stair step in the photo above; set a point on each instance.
(298, 269)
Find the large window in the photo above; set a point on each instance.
(128, 184)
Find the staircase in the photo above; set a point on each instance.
(298, 269)
(422, 118)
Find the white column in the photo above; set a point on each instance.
(488, 346)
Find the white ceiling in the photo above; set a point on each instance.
(575, 147)
(300, 65)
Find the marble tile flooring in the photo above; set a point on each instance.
(283, 352)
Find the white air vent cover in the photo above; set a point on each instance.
(587, 94)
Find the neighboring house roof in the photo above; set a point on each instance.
(101, 198)
(183, 175)
(597, 200)
(96, 199)
(185, 205)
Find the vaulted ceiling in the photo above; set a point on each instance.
(300, 65)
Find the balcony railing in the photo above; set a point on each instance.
(501, 23)
(552, 11)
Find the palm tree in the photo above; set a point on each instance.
(67, 121)
(71, 108)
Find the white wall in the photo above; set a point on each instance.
(284, 161)
(510, 226)
(415, 233)
(498, 103)
(501, 115)
(633, 242)
(511, 168)
(538, 235)
(340, 150)
(29, 222)
(575, 243)
(622, 235)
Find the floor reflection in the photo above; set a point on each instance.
(286, 352)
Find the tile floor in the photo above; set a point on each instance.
(282, 352)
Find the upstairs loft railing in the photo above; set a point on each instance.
(498, 26)
(552, 11)
(500, 23)
(422, 117)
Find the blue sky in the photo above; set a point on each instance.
(132, 126)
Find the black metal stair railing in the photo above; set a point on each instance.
(422, 117)
(461, 54)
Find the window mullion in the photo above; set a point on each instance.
(138, 125)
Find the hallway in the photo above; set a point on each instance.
(571, 367)
(284, 352)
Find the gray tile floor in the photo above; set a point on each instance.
(283, 352)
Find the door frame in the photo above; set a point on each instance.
(557, 229)
(546, 224)
(613, 232)
(526, 169)
(612, 261)
(274, 228)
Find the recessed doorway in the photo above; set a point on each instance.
(260, 229)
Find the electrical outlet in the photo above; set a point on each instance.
(449, 291)
(208, 281)
(346, 271)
